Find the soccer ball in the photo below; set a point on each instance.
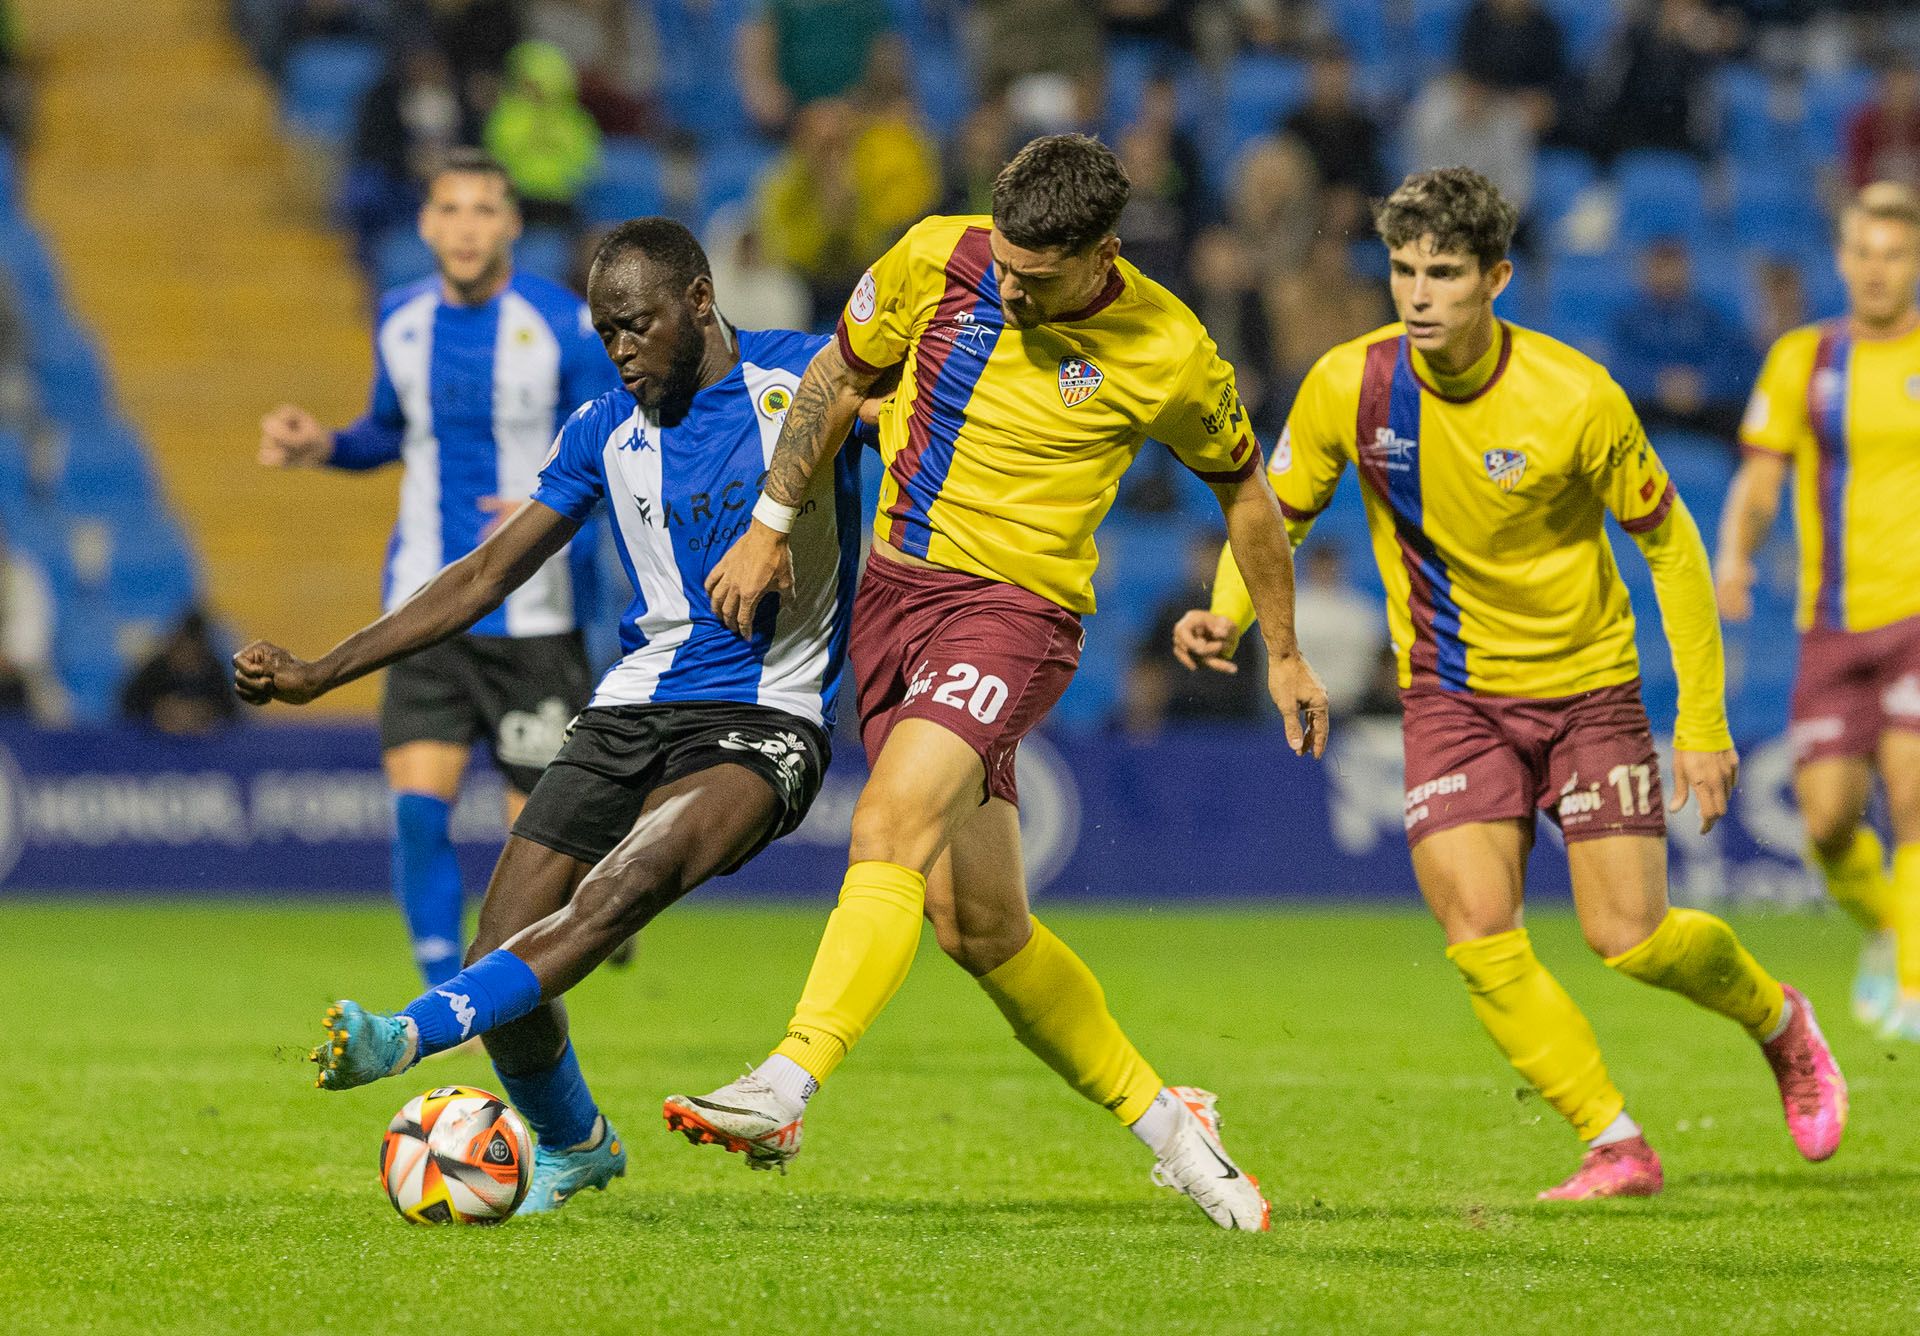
(456, 1155)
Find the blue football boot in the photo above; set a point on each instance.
(362, 1046)
(559, 1174)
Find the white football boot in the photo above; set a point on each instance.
(745, 1116)
(1194, 1162)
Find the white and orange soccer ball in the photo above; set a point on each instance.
(456, 1156)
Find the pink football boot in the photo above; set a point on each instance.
(1620, 1169)
(1812, 1090)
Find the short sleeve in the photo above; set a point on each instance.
(1776, 417)
(573, 479)
(1628, 474)
(1204, 423)
(1312, 451)
(877, 325)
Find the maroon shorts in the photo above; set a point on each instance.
(1852, 687)
(1587, 761)
(982, 659)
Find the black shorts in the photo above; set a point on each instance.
(615, 756)
(517, 692)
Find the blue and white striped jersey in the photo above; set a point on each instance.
(469, 397)
(680, 496)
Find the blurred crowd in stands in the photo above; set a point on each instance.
(1677, 162)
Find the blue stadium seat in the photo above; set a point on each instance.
(730, 178)
(1761, 120)
(1365, 29)
(1662, 194)
(1261, 91)
(325, 80)
(545, 252)
(1560, 177)
(943, 85)
(400, 257)
(1436, 32)
(1587, 25)
(1518, 300)
(631, 183)
(1583, 292)
(1776, 211)
(1833, 96)
(1701, 468)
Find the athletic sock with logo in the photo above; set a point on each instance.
(555, 1102)
(426, 881)
(497, 988)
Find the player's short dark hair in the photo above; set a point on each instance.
(468, 161)
(1062, 191)
(1456, 206)
(673, 251)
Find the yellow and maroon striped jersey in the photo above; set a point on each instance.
(1485, 508)
(1004, 446)
(1846, 412)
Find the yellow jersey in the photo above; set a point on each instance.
(1004, 446)
(1485, 507)
(1846, 411)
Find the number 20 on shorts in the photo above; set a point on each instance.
(966, 688)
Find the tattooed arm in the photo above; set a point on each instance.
(1752, 502)
(823, 410)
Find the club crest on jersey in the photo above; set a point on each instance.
(1079, 378)
(1505, 467)
(774, 400)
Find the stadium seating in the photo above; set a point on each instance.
(325, 80)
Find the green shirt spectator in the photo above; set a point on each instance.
(539, 131)
(800, 51)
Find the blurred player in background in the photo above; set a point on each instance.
(1840, 403)
(698, 748)
(474, 370)
(1488, 457)
(1036, 362)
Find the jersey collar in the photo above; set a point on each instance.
(1102, 300)
(1496, 359)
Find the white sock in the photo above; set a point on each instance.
(1786, 1015)
(1621, 1128)
(594, 1137)
(793, 1083)
(1157, 1124)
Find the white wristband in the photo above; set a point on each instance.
(774, 515)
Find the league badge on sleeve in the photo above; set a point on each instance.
(1505, 467)
(1079, 378)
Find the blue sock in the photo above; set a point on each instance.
(426, 879)
(497, 988)
(556, 1102)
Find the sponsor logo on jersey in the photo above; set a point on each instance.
(1079, 378)
(1827, 385)
(1394, 452)
(1283, 450)
(1902, 699)
(866, 297)
(774, 400)
(1505, 467)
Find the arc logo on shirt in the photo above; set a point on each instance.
(1079, 378)
(1505, 467)
(774, 400)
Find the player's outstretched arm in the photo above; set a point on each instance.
(1752, 502)
(1258, 537)
(453, 600)
(825, 404)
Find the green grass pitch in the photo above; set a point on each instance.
(171, 1168)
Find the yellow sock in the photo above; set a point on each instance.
(1058, 1009)
(864, 957)
(1697, 956)
(1857, 879)
(1904, 917)
(1539, 1028)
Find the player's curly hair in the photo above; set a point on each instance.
(667, 245)
(1063, 191)
(1456, 206)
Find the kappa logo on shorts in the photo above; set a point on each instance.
(1505, 467)
(1079, 378)
(533, 737)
